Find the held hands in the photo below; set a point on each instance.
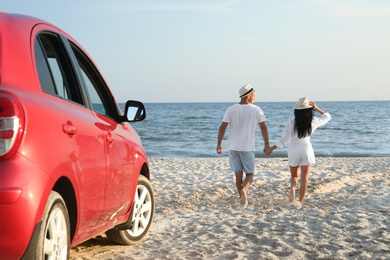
(269, 150)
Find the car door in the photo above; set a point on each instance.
(78, 138)
(118, 146)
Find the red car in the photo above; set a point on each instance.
(71, 166)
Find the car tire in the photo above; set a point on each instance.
(54, 234)
(141, 216)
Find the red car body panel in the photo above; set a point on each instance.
(64, 146)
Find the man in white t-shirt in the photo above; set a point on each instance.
(242, 119)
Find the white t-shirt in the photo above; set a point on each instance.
(243, 120)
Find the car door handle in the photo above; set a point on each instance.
(69, 129)
(109, 138)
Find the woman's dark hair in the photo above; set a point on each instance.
(303, 118)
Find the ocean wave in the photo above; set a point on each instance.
(190, 130)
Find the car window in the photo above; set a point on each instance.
(100, 97)
(97, 103)
(45, 78)
(53, 65)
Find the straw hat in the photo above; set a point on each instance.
(303, 103)
(245, 90)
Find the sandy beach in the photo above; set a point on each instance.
(346, 214)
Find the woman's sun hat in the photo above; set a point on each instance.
(303, 103)
(245, 90)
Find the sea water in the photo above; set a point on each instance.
(190, 130)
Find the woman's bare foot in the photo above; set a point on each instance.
(293, 186)
(292, 194)
(296, 204)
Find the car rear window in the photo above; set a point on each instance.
(53, 64)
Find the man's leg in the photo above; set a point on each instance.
(247, 183)
(239, 183)
(248, 162)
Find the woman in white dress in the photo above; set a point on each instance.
(296, 136)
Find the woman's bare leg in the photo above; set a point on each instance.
(305, 170)
(293, 182)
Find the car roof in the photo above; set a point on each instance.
(15, 47)
(18, 19)
(16, 51)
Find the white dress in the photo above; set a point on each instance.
(300, 150)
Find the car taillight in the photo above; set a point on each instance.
(11, 125)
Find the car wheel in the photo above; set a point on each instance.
(54, 235)
(141, 216)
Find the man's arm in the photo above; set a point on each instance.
(264, 133)
(221, 133)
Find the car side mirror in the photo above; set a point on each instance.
(134, 111)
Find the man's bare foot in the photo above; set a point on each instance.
(244, 199)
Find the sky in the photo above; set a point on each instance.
(206, 50)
